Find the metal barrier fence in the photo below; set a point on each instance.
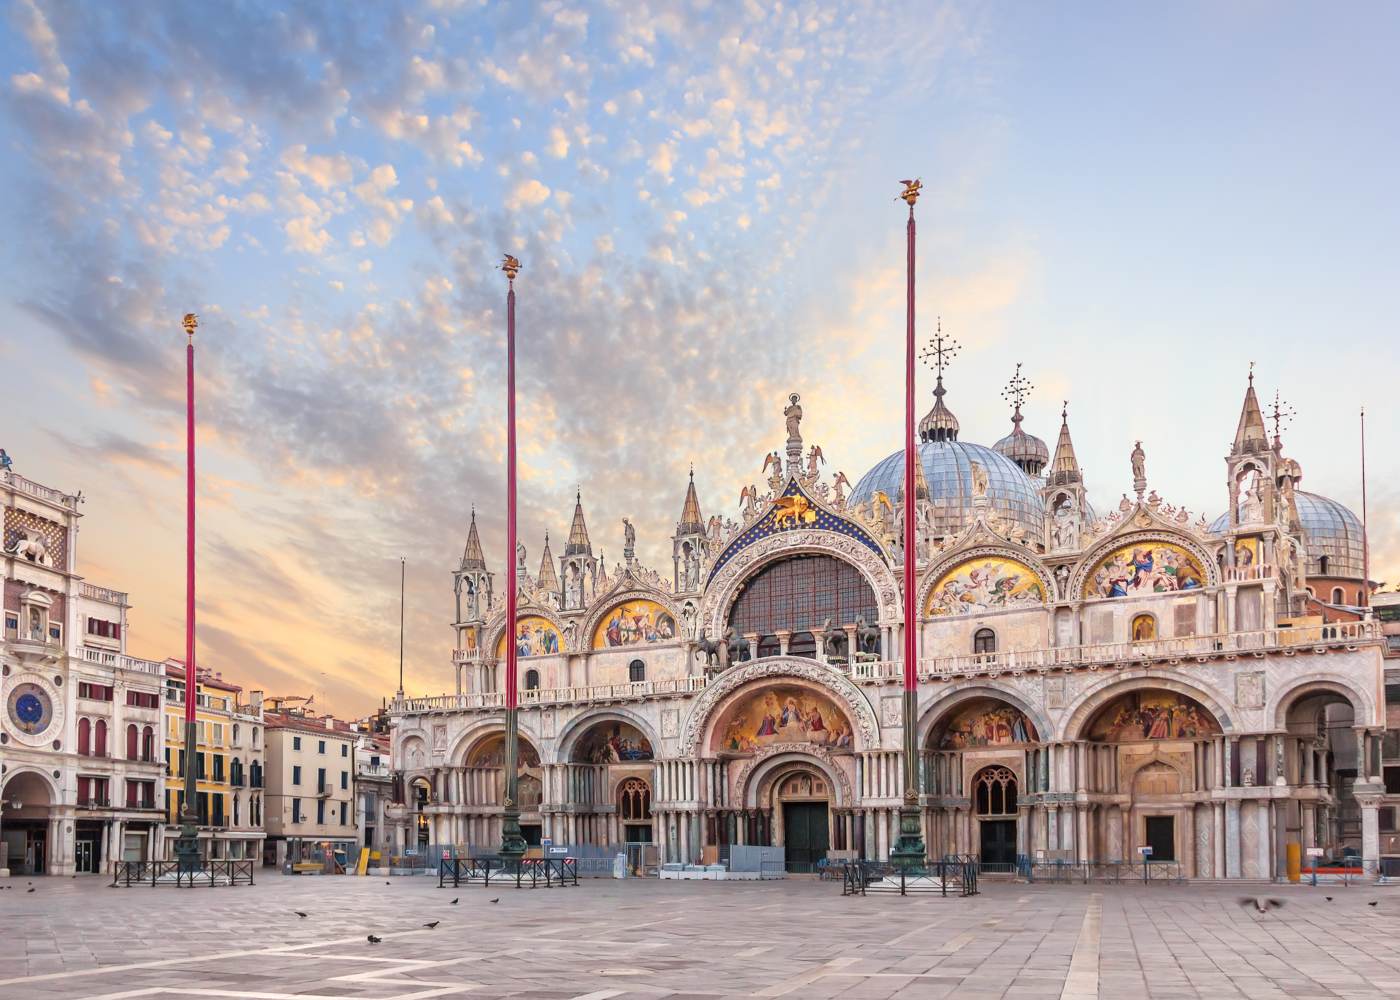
(1105, 872)
(526, 872)
(153, 873)
(956, 875)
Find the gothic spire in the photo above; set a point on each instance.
(691, 521)
(1064, 470)
(548, 579)
(1251, 435)
(578, 544)
(472, 556)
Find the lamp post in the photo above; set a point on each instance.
(512, 843)
(909, 851)
(187, 846)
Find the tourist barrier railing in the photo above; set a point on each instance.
(1106, 872)
(154, 873)
(955, 875)
(525, 873)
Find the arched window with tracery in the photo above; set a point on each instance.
(532, 680)
(798, 595)
(634, 801)
(995, 792)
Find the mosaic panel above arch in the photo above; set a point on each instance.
(490, 751)
(634, 623)
(985, 722)
(535, 635)
(1147, 714)
(779, 714)
(1150, 566)
(983, 584)
(612, 742)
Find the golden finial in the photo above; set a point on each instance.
(511, 265)
(189, 323)
(911, 192)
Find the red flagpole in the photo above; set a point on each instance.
(911, 614)
(910, 851)
(512, 698)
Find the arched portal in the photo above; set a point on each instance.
(975, 755)
(481, 787)
(797, 597)
(27, 823)
(1327, 753)
(1150, 754)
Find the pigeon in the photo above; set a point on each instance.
(388, 883)
(31, 889)
(453, 903)
(1374, 902)
(497, 900)
(299, 913)
(1260, 904)
(1328, 898)
(372, 939)
(431, 924)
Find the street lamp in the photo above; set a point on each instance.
(187, 846)
(512, 843)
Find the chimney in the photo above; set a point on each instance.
(330, 721)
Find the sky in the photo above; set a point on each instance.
(1133, 201)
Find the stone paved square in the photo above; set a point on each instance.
(648, 938)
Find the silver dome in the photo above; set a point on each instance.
(948, 469)
(1333, 532)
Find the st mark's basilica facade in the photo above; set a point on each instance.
(1090, 682)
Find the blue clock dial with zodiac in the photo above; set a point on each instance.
(30, 708)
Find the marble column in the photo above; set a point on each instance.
(1232, 838)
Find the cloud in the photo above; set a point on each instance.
(526, 194)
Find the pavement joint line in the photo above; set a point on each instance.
(807, 978)
(916, 930)
(1082, 982)
(599, 995)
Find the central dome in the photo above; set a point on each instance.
(948, 469)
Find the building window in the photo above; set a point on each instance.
(133, 742)
(634, 800)
(984, 640)
(84, 737)
(148, 745)
(1338, 596)
(637, 671)
(107, 630)
(95, 692)
(342, 814)
(532, 680)
(296, 774)
(296, 810)
(320, 746)
(320, 780)
(1392, 780)
(235, 734)
(320, 810)
(1322, 566)
(345, 749)
(344, 779)
(995, 792)
(798, 595)
(143, 699)
(99, 739)
(296, 742)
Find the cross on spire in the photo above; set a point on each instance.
(1017, 390)
(940, 351)
(1282, 413)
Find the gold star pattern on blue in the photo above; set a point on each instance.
(768, 525)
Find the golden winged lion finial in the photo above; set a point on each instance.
(189, 323)
(511, 265)
(911, 191)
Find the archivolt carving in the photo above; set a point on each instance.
(777, 667)
(722, 590)
(1103, 549)
(1003, 551)
(809, 753)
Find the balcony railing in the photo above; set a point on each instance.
(466, 655)
(942, 667)
(94, 802)
(101, 593)
(18, 482)
(120, 661)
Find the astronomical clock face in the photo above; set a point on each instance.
(29, 711)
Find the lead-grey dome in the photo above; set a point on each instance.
(948, 469)
(1333, 534)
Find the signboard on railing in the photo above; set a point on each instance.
(1146, 852)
